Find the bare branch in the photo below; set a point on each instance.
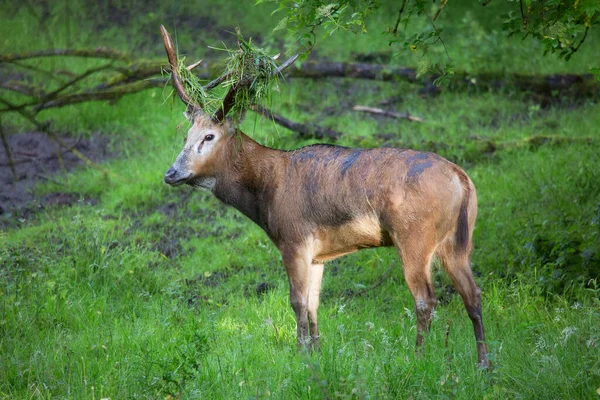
(113, 93)
(439, 10)
(50, 75)
(395, 31)
(84, 75)
(574, 49)
(386, 113)
(523, 16)
(24, 88)
(302, 130)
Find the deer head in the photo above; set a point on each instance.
(204, 146)
(207, 141)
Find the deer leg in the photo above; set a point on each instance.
(416, 263)
(316, 277)
(459, 269)
(297, 264)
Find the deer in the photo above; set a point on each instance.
(320, 202)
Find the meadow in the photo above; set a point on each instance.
(140, 290)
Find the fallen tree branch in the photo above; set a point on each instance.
(326, 69)
(138, 70)
(48, 98)
(133, 72)
(99, 52)
(385, 113)
(50, 75)
(91, 71)
(582, 84)
(303, 130)
(23, 88)
(113, 93)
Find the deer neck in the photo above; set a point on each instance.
(249, 178)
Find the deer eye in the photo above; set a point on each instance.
(209, 137)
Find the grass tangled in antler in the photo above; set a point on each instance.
(252, 72)
(192, 85)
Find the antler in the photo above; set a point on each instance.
(172, 56)
(228, 101)
(229, 98)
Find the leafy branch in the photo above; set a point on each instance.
(561, 26)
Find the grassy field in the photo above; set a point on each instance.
(140, 290)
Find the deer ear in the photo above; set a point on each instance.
(191, 113)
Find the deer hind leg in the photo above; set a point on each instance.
(458, 266)
(305, 286)
(416, 254)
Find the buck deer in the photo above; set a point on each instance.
(320, 202)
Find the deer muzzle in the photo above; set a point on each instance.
(175, 177)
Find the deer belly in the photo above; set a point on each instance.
(360, 233)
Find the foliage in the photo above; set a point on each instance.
(302, 19)
(560, 25)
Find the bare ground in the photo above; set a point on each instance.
(38, 158)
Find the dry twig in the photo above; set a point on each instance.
(385, 113)
(303, 130)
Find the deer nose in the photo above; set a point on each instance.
(171, 175)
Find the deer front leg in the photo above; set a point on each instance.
(316, 277)
(297, 261)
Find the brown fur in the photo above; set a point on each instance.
(320, 202)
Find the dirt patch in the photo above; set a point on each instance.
(38, 158)
(183, 221)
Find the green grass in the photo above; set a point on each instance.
(152, 291)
